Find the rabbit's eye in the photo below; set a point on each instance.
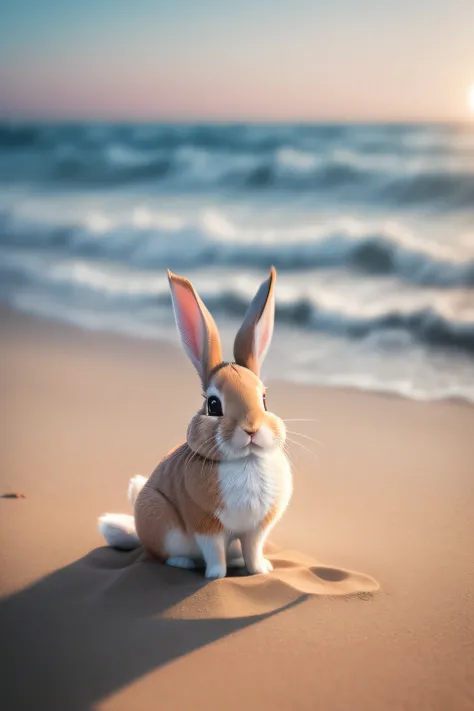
(214, 406)
(264, 401)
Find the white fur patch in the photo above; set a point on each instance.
(250, 487)
(213, 550)
(178, 545)
(181, 562)
(264, 437)
(188, 552)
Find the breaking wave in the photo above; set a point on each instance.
(152, 240)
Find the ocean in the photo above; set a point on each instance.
(370, 227)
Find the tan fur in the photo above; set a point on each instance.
(182, 495)
(243, 393)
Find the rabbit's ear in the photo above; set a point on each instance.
(196, 327)
(252, 341)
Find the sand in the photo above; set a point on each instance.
(370, 605)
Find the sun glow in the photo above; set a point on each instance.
(470, 98)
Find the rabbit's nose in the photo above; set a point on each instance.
(251, 433)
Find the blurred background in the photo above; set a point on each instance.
(332, 140)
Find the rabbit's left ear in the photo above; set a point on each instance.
(253, 339)
(197, 328)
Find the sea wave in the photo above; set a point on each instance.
(238, 137)
(190, 168)
(447, 323)
(148, 239)
(361, 163)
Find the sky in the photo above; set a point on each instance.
(235, 60)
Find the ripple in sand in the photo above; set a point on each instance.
(295, 577)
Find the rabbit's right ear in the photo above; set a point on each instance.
(252, 341)
(198, 331)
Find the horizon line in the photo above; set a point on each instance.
(18, 118)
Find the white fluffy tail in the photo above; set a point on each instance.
(119, 529)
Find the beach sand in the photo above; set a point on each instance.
(388, 492)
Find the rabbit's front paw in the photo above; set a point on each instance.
(216, 571)
(261, 566)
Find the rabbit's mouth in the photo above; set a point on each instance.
(253, 449)
(241, 443)
(256, 448)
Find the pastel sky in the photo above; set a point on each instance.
(236, 59)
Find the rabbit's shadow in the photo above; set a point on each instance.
(92, 627)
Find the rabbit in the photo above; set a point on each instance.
(215, 498)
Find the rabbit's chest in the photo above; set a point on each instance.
(249, 489)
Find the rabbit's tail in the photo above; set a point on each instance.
(119, 529)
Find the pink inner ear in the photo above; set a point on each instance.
(190, 320)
